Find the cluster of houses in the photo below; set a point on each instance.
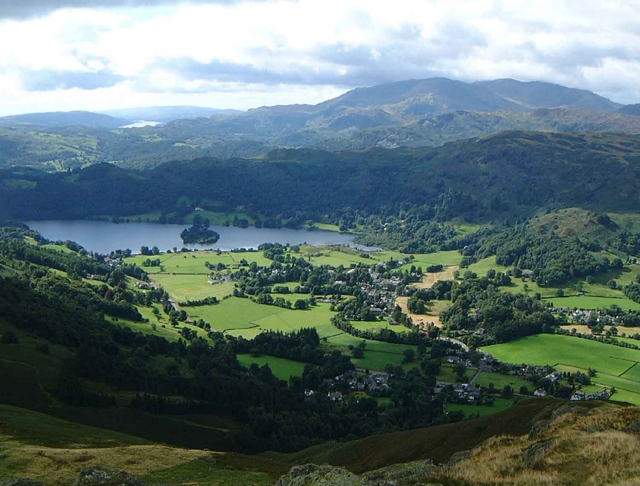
(338, 388)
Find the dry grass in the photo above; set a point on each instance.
(419, 320)
(428, 279)
(61, 466)
(595, 449)
(433, 316)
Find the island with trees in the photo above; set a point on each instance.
(200, 232)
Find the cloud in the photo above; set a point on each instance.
(23, 9)
(64, 80)
(261, 51)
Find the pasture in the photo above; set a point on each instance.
(243, 317)
(499, 405)
(377, 354)
(592, 302)
(192, 287)
(280, 367)
(500, 381)
(615, 366)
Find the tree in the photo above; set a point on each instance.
(409, 355)
(507, 392)
(357, 353)
(301, 304)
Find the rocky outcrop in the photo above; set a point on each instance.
(312, 475)
(93, 476)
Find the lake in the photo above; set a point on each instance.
(105, 237)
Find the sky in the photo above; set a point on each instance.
(62, 55)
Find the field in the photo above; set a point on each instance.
(377, 354)
(243, 317)
(615, 366)
(591, 302)
(280, 367)
(446, 258)
(498, 405)
(500, 381)
(192, 287)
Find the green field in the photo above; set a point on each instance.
(446, 258)
(498, 405)
(192, 287)
(193, 262)
(377, 354)
(590, 302)
(243, 317)
(615, 366)
(280, 367)
(500, 381)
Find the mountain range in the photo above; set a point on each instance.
(413, 113)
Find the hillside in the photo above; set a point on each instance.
(631, 109)
(578, 445)
(552, 444)
(537, 94)
(510, 174)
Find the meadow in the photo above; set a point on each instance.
(500, 381)
(615, 366)
(593, 302)
(469, 410)
(280, 367)
(243, 317)
(377, 354)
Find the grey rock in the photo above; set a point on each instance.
(537, 428)
(634, 427)
(93, 476)
(313, 475)
(534, 455)
(459, 456)
(407, 473)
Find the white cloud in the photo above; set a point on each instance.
(243, 54)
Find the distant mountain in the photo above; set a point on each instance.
(67, 118)
(630, 110)
(537, 94)
(422, 97)
(399, 103)
(168, 113)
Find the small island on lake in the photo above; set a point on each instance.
(200, 233)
